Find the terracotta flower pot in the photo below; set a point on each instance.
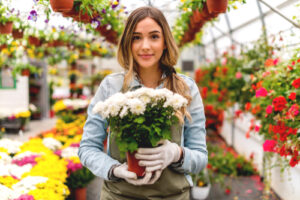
(17, 34)
(6, 28)
(80, 194)
(61, 5)
(34, 41)
(25, 72)
(217, 6)
(70, 13)
(133, 165)
(205, 14)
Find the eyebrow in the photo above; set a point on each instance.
(150, 32)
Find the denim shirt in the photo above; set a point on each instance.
(94, 132)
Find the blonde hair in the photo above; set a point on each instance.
(169, 58)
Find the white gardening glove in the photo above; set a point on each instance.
(131, 177)
(159, 158)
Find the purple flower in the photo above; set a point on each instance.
(103, 11)
(32, 15)
(95, 23)
(46, 21)
(61, 27)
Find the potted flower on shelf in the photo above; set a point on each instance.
(151, 113)
(6, 20)
(202, 185)
(24, 69)
(18, 28)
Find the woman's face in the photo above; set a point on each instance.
(147, 43)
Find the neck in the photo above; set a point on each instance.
(150, 77)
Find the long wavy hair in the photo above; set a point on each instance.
(169, 58)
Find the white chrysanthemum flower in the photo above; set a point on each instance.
(28, 183)
(7, 193)
(69, 152)
(52, 143)
(18, 171)
(12, 146)
(114, 109)
(5, 159)
(124, 111)
(119, 98)
(136, 106)
(130, 94)
(25, 154)
(163, 94)
(176, 101)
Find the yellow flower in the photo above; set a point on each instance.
(3, 150)
(182, 1)
(87, 45)
(185, 9)
(59, 106)
(24, 114)
(115, 3)
(8, 181)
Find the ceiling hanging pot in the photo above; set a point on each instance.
(61, 5)
(6, 28)
(17, 33)
(217, 6)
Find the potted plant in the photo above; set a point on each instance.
(202, 186)
(18, 28)
(61, 6)
(24, 69)
(6, 20)
(217, 6)
(149, 112)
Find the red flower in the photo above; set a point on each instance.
(294, 161)
(292, 96)
(248, 106)
(296, 83)
(204, 92)
(227, 191)
(279, 103)
(270, 145)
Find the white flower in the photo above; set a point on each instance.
(162, 94)
(176, 101)
(136, 106)
(113, 109)
(18, 171)
(55, 35)
(69, 152)
(17, 25)
(52, 143)
(7, 193)
(11, 146)
(124, 111)
(5, 159)
(28, 183)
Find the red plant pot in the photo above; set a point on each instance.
(34, 41)
(17, 34)
(205, 14)
(217, 6)
(61, 5)
(133, 164)
(80, 194)
(25, 72)
(6, 28)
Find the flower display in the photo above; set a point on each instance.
(150, 112)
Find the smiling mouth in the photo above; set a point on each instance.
(146, 56)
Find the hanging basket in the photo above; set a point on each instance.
(6, 28)
(17, 34)
(61, 5)
(34, 41)
(217, 6)
(133, 165)
(25, 72)
(205, 14)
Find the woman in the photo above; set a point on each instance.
(147, 51)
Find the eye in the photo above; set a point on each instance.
(136, 37)
(155, 36)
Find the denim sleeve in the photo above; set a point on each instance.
(195, 158)
(94, 133)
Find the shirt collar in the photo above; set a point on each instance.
(136, 83)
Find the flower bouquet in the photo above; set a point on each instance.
(140, 118)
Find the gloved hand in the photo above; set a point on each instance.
(131, 177)
(159, 158)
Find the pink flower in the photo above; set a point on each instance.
(294, 110)
(72, 167)
(261, 92)
(26, 160)
(266, 73)
(269, 109)
(25, 197)
(257, 128)
(238, 75)
(269, 146)
(74, 145)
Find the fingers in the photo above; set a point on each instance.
(156, 177)
(155, 150)
(145, 180)
(150, 163)
(154, 168)
(130, 175)
(154, 156)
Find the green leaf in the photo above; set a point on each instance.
(139, 120)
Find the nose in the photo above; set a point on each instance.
(145, 44)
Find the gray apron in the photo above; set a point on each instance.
(170, 186)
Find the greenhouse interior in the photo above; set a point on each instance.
(57, 58)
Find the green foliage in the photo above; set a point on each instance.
(5, 15)
(80, 178)
(145, 130)
(21, 66)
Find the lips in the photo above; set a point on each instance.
(146, 56)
